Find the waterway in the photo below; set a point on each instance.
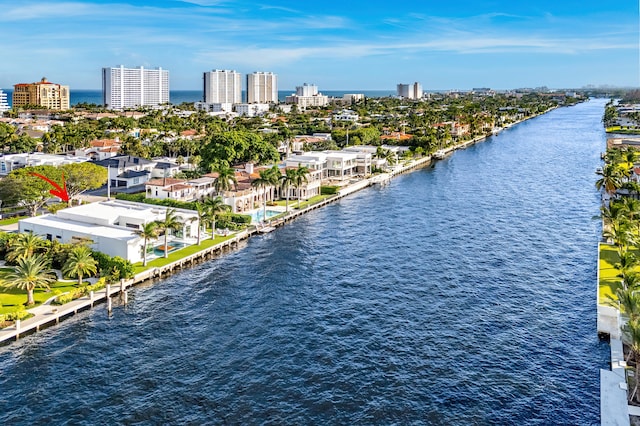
(458, 294)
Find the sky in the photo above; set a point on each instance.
(337, 45)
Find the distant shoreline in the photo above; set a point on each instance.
(176, 97)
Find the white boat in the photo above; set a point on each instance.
(439, 154)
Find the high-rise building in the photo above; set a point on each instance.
(410, 91)
(307, 95)
(133, 87)
(262, 88)
(43, 93)
(222, 86)
(4, 106)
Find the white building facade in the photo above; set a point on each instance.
(307, 95)
(4, 105)
(262, 88)
(222, 86)
(110, 227)
(133, 87)
(410, 91)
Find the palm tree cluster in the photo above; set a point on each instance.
(616, 175)
(32, 263)
(621, 228)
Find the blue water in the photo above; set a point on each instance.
(177, 97)
(462, 294)
(258, 215)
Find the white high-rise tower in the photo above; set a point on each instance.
(262, 88)
(131, 87)
(222, 86)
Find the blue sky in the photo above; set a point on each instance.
(337, 45)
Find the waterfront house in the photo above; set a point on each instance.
(110, 227)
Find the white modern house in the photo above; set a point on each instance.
(110, 227)
(11, 162)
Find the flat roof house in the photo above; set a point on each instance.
(110, 227)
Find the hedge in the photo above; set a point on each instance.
(329, 190)
(141, 198)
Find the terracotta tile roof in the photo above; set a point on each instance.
(164, 182)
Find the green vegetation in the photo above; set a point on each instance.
(329, 190)
(623, 130)
(29, 272)
(181, 253)
(609, 281)
(11, 220)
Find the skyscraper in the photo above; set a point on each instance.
(131, 87)
(4, 106)
(262, 87)
(410, 91)
(222, 86)
(43, 93)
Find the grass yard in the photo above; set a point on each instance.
(609, 282)
(182, 253)
(618, 129)
(13, 299)
(11, 220)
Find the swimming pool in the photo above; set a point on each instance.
(173, 246)
(257, 215)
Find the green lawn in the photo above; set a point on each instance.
(609, 282)
(180, 254)
(293, 203)
(12, 299)
(11, 220)
(618, 129)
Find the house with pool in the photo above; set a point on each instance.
(110, 227)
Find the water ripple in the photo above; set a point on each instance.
(459, 294)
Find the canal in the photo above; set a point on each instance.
(462, 293)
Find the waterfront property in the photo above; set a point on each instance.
(110, 226)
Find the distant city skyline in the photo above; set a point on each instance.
(354, 45)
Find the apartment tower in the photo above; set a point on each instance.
(262, 88)
(43, 93)
(222, 87)
(133, 87)
(410, 91)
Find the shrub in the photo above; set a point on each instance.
(18, 315)
(329, 190)
(140, 198)
(115, 267)
(99, 285)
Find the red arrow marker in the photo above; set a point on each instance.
(59, 191)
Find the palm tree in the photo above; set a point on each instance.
(24, 245)
(628, 301)
(610, 180)
(215, 206)
(632, 330)
(263, 182)
(80, 263)
(226, 178)
(149, 231)
(169, 223)
(201, 210)
(30, 273)
(286, 181)
(300, 178)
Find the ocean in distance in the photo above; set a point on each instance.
(462, 294)
(177, 97)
